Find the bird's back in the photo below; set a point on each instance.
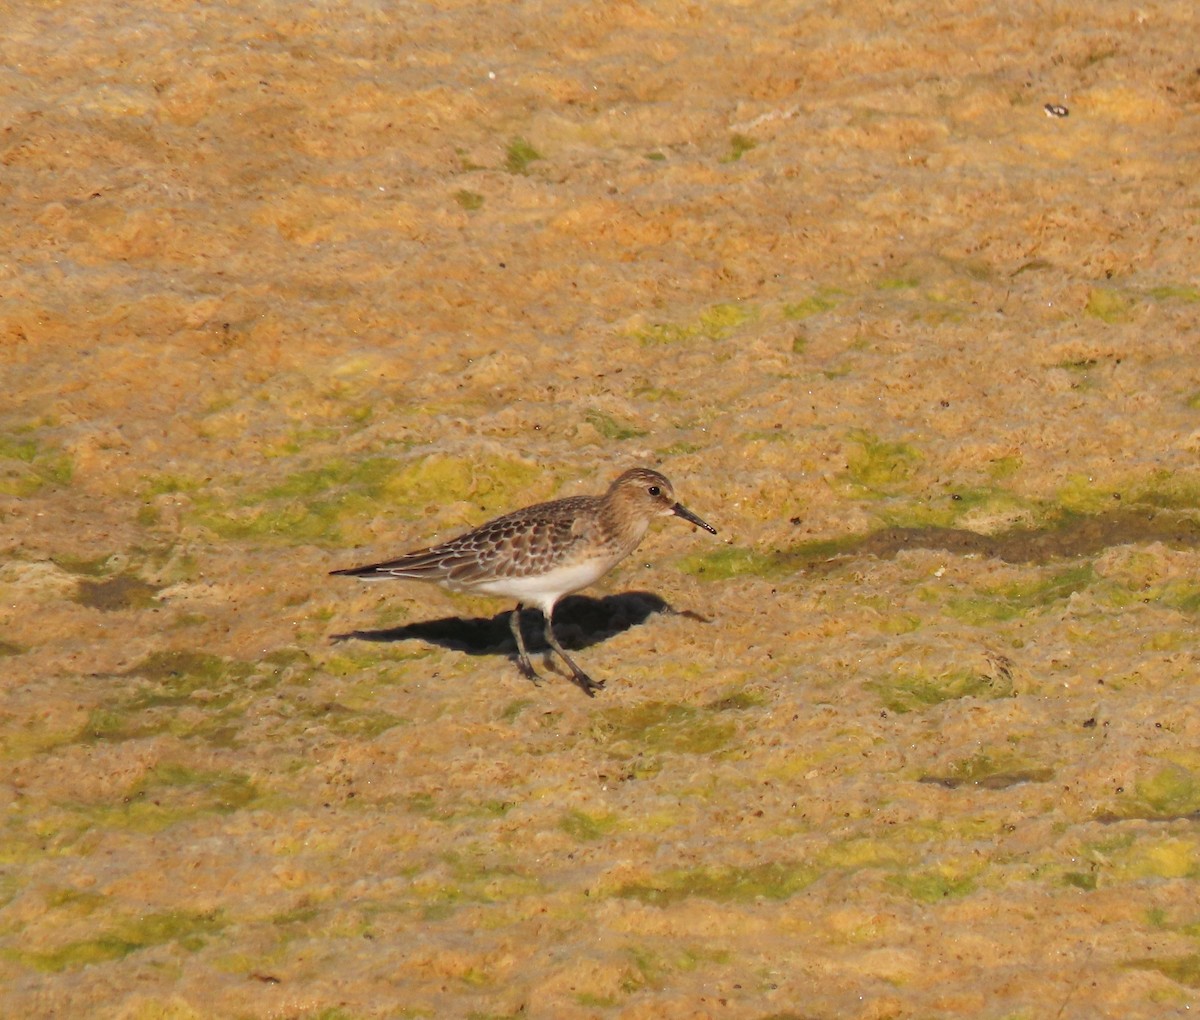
(526, 542)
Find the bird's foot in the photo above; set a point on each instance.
(527, 671)
(586, 683)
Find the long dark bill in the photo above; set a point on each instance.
(682, 511)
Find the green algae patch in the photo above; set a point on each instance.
(359, 723)
(519, 155)
(79, 901)
(369, 475)
(320, 504)
(1175, 292)
(297, 440)
(991, 771)
(1078, 364)
(876, 467)
(189, 930)
(658, 727)
(653, 393)
(154, 1008)
(27, 466)
(10, 884)
(721, 320)
(934, 885)
(1013, 601)
(181, 692)
(1171, 792)
(464, 879)
(737, 700)
(1085, 880)
(1167, 490)
(424, 805)
(899, 623)
(585, 827)
(773, 880)
(1005, 467)
(1109, 305)
(717, 322)
(610, 428)
(679, 449)
(307, 506)
(1081, 495)
(969, 499)
(959, 505)
(172, 793)
(515, 707)
(914, 692)
(591, 1000)
(1164, 489)
(471, 201)
(88, 566)
(653, 967)
(177, 675)
(23, 449)
(739, 145)
(1183, 970)
(1167, 857)
(35, 735)
(427, 806)
(823, 300)
(354, 660)
(169, 485)
(430, 481)
(856, 854)
(1180, 594)
(730, 561)
(820, 551)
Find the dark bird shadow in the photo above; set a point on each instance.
(579, 622)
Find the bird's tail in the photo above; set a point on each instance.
(425, 564)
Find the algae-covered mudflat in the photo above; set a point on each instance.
(290, 288)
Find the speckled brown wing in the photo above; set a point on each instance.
(523, 543)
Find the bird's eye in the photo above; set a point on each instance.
(654, 490)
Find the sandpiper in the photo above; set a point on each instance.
(543, 552)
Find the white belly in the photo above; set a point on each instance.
(544, 590)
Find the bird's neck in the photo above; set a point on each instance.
(627, 531)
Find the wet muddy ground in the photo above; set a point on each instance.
(287, 289)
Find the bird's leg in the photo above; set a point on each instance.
(585, 682)
(523, 663)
